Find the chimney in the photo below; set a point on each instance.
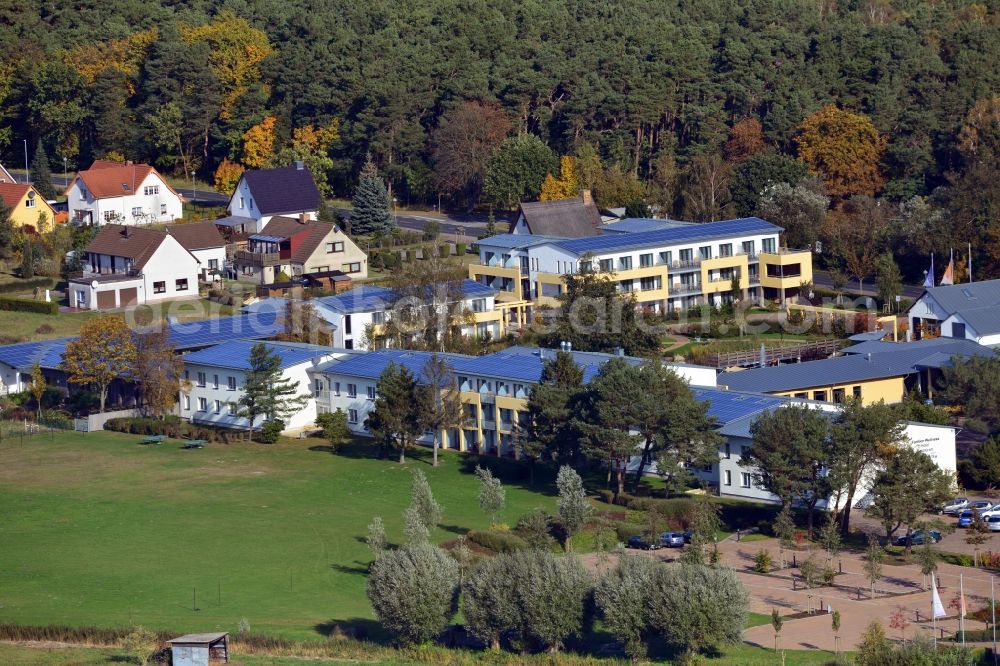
(588, 200)
(128, 163)
(299, 165)
(303, 218)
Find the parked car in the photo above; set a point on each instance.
(917, 538)
(641, 543)
(993, 522)
(672, 539)
(967, 517)
(687, 536)
(955, 506)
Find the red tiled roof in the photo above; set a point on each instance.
(286, 227)
(106, 179)
(12, 193)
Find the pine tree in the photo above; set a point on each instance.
(372, 209)
(266, 393)
(41, 173)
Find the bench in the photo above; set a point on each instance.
(153, 439)
(195, 444)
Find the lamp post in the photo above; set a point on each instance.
(194, 186)
(65, 170)
(27, 173)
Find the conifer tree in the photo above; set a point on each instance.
(41, 173)
(372, 209)
(266, 393)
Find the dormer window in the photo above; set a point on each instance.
(125, 187)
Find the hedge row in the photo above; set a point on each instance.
(173, 427)
(27, 285)
(21, 305)
(500, 542)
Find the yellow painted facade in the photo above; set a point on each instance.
(22, 214)
(488, 413)
(737, 262)
(786, 258)
(514, 274)
(889, 390)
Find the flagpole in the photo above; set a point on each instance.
(933, 610)
(970, 269)
(961, 615)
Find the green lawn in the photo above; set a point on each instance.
(99, 530)
(24, 325)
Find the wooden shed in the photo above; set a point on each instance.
(200, 649)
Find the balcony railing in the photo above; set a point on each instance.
(680, 289)
(258, 259)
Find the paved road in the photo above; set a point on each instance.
(470, 224)
(822, 279)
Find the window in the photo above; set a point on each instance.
(241, 203)
(251, 203)
(648, 283)
(83, 193)
(215, 381)
(745, 479)
(748, 247)
(110, 216)
(137, 211)
(727, 478)
(187, 403)
(767, 245)
(687, 256)
(181, 285)
(30, 203)
(625, 263)
(336, 388)
(666, 257)
(838, 395)
(607, 265)
(233, 408)
(317, 387)
(218, 406)
(347, 324)
(705, 252)
(353, 267)
(352, 416)
(728, 454)
(625, 286)
(646, 260)
(202, 404)
(163, 209)
(335, 247)
(958, 330)
(371, 392)
(819, 395)
(804, 396)
(479, 305)
(213, 264)
(857, 391)
(352, 390)
(201, 379)
(726, 250)
(150, 190)
(232, 383)
(159, 287)
(501, 388)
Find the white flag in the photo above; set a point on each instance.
(938, 607)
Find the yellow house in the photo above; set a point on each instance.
(26, 205)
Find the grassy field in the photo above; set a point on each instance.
(99, 530)
(25, 325)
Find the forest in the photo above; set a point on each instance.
(882, 112)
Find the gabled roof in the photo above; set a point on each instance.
(106, 179)
(984, 320)
(135, 243)
(683, 234)
(566, 218)
(235, 354)
(6, 176)
(285, 190)
(953, 298)
(197, 235)
(286, 227)
(12, 193)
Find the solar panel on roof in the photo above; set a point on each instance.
(690, 233)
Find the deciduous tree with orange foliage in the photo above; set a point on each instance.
(566, 186)
(258, 143)
(746, 138)
(227, 175)
(844, 149)
(104, 351)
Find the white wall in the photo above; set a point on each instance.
(164, 206)
(242, 204)
(170, 262)
(205, 256)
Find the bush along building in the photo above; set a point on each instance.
(667, 265)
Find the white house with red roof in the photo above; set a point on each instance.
(114, 193)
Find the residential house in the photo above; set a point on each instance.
(565, 218)
(295, 246)
(493, 388)
(27, 205)
(113, 193)
(125, 266)
(216, 377)
(351, 315)
(204, 240)
(262, 194)
(969, 311)
(666, 265)
(5, 176)
(872, 371)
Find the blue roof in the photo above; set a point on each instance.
(47, 353)
(632, 225)
(728, 406)
(684, 234)
(363, 299)
(235, 354)
(372, 364)
(518, 241)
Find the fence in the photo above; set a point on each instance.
(18, 431)
(96, 421)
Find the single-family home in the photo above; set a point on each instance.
(125, 266)
(968, 311)
(114, 193)
(27, 206)
(295, 246)
(215, 380)
(204, 240)
(5, 176)
(261, 194)
(565, 218)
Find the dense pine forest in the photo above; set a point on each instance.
(876, 110)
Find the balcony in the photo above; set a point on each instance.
(259, 259)
(683, 289)
(88, 276)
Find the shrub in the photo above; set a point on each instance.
(762, 561)
(460, 249)
(44, 329)
(27, 285)
(270, 431)
(444, 249)
(625, 530)
(21, 305)
(498, 542)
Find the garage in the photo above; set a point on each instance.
(106, 300)
(127, 297)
